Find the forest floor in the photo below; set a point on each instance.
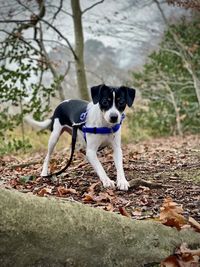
(156, 169)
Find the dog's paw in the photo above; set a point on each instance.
(122, 185)
(44, 173)
(109, 183)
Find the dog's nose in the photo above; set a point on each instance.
(113, 118)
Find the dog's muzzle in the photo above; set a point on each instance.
(113, 118)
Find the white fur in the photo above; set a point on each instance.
(95, 118)
(38, 124)
(112, 110)
(53, 139)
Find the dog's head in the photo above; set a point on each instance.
(112, 100)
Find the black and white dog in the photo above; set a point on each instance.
(99, 124)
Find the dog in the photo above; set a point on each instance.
(99, 124)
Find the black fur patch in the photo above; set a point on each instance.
(68, 112)
(104, 95)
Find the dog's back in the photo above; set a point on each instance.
(68, 112)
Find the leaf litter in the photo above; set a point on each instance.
(164, 175)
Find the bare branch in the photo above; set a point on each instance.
(62, 36)
(193, 4)
(20, 38)
(96, 75)
(15, 21)
(51, 67)
(184, 54)
(90, 7)
(38, 18)
(35, 18)
(46, 22)
(175, 106)
(172, 51)
(59, 9)
(161, 11)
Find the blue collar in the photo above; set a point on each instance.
(100, 130)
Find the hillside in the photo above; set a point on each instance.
(156, 169)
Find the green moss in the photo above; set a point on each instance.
(41, 232)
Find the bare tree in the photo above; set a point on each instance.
(183, 52)
(40, 15)
(193, 4)
(79, 48)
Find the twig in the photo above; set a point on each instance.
(90, 7)
(140, 182)
(25, 164)
(59, 9)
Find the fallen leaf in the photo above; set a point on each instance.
(183, 257)
(136, 213)
(44, 191)
(13, 182)
(123, 212)
(88, 198)
(110, 192)
(185, 250)
(194, 224)
(101, 197)
(109, 207)
(62, 191)
(170, 214)
(170, 261)
(53, 165)
(91, 188)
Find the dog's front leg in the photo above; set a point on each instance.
(51, 144)
(122, 183)
(94, 161)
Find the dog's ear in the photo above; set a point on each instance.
(95, 93)
(130, 95)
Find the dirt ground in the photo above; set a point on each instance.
(155, 168)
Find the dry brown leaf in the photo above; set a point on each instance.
(91, 188)
(187, 257)
(62, 191)
(13, 182)
(137, 212)
(170, 261)
(110, 192)
(184, 250)
(183, 257)
(101, 197)
(44, 191)
(170, 214)
(53, 165)
(194, 224)
(88, 198)
(124, 212)
(109, 207)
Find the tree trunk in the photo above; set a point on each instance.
(45, 232)
(176, 109)
(79, 49)
(183, 54)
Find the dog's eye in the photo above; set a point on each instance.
(105, 102)
(122, 102)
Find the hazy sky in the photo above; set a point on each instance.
(131, 27)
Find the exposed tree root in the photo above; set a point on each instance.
(44, 232)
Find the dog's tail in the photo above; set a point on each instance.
(38, 124)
